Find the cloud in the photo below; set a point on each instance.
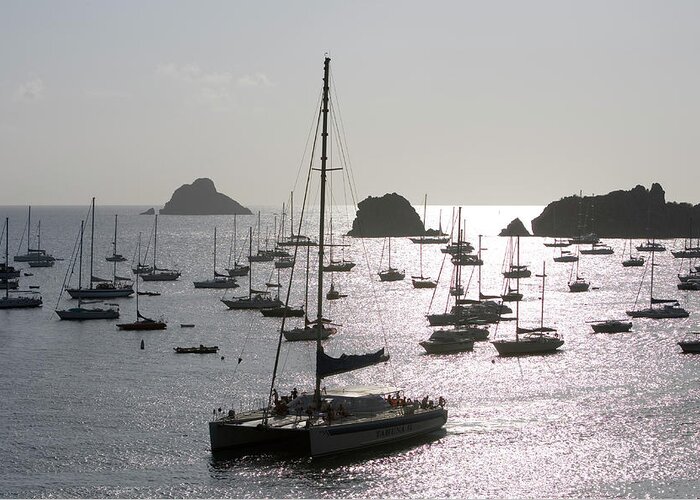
(104, 94)
(216, 88)
(33, 90)
(255, 80)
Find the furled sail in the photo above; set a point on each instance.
(122, 278)
(141, 316)
(97, 279)
(327, 365)
(663, 301)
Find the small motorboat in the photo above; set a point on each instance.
(690, 346)
(611, 326)
(202, 349)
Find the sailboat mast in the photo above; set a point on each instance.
(544, 275)
(7, 254)
(137, 282)
(517, 287)
(92, 239)
(321, 229)
(80, 264)
(214, 252)
(29, 228)
(250, 252)
(479, 269)
(114, 253)
(458, 277)
(651, 287)
(425, 211)
(155, 242)
(38, 236)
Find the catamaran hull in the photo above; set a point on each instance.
(338, 438)
(97, 293)
(232, 436)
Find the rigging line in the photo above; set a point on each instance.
(69, 271)
(24, 229)
(641, 282)
(442, 265)
(313, 130)
(301, 222)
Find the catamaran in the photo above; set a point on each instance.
(325, 422)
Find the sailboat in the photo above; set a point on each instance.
(633, 260)
(514, 272)
(7, 273)
(142, 268)
(538, 340)
(219, 280)
(337, 265)
(156, 273)
(565, 256)
(80, 313)
(461, 337)
(579, 284)
(423, 281)
(237, 269)
(391, 273)
(326, 422)
(689, 251)
(116, 287)
(256, 299)
(668, 308)
(430, 237)
(598, 249)
(115, 257)
(33, 254)
(261, 255)
(142, 322)
(295, 240)
(41, 260)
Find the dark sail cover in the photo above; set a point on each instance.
(663, 301)
(97, 279)
(141, 316)
(327, 365)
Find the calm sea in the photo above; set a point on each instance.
(86, 413)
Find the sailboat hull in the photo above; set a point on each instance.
(536, 345)
(80, 314)
(690, 346)
(99, 293)
(160, 276)
(19, 302)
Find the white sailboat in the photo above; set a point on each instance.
(7, 273)
(80, 313)
(256, 299)
(422, 281)
(218, 280)
(538, 340)
(142, 322)
(101, 288)
(391, 273)
(33, 254)
(115, 257)
(666, 308)
(237, 269)
(158, 274)
(325, 422)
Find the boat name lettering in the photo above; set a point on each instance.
(393, 431)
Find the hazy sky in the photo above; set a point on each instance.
(489, 102)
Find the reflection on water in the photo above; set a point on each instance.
(88, 414)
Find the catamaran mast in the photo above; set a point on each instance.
(321, 229)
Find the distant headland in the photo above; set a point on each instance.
(637, 213)
(515, 228)
(388, 215)
(202, 198)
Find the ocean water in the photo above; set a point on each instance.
(87, 413)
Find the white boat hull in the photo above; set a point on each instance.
(343, 437)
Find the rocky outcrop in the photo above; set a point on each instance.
(637, 213)
(515, 228)
(150, 211)
(201, 198)
(389, 215)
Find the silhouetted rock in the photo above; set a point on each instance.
(201, 198)
(515, 228)
(150, 211)
(389, 215)
(637, 213)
